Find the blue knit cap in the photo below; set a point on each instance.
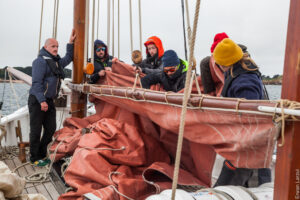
(170, 58)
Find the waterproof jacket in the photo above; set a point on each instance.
(154, 63)
(98, 64)
(173, 83)
(244, 84)
(45, 82)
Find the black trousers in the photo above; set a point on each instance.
(39, 119)
(241, 176)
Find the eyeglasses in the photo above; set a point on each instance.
(100, 49)
(173, 69)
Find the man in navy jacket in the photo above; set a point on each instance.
(47, 72)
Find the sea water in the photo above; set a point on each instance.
(13, 100)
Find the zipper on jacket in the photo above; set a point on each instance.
(46, 89)
(56, 86)
(56, 81)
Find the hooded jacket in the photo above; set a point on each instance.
(173, 83)
(98, 64)
(154, 63)
(45, 83)
(243, 84)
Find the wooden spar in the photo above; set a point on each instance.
(78, 99)
(287, 172)
(140, 94)
(20, 75)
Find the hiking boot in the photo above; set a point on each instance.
(40, 163)
(47, 160)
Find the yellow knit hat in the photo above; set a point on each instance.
(227, 53)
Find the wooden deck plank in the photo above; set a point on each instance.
(52, 190)
(41, 189)
(22, 171)
(31, 189)
(47, 189)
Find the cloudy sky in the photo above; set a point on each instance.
(261, 25)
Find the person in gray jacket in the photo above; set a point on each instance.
(47, 72)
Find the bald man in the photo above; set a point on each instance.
(47, 72)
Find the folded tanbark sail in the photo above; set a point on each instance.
(131, 147)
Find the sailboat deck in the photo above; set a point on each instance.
(51, 189)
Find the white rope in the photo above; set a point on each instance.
(53, 22)
(98, 19)
(13, 89)
(93, 35)
(113, 27)
(41, 25)
(140, 22)
(108, 24)
(184, 103)
(130, 24)
(55, 19)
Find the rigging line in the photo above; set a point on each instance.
(108, 25)
(113, 27)
(189, 30)
(98, 11)
(118, 29)
(185, 101)
(41, 25)
(56, 18)
(93, 33)
(3, 92)
(183, 24)
(130, 24)
(140, 22)
(54, 15)
(13, 89)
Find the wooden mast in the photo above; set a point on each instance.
(287, 172)
(78, 99)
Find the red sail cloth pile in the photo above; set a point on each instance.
(130, 148)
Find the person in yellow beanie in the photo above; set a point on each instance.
(242, 80)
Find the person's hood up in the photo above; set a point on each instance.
(98, 43)
(157, 42)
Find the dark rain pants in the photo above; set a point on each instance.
(241, 176)
(39, 119)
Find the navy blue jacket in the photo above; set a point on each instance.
(246, 85)
(44, 82)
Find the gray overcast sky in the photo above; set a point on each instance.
(259, 24)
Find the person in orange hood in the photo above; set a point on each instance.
(154, 52)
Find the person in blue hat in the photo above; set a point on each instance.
(172, 78)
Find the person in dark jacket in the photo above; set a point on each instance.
(209, 84)
(207, 64)
(242, 80)
(172, 78)
(47, 72)
(154, 52)
(102, 61)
